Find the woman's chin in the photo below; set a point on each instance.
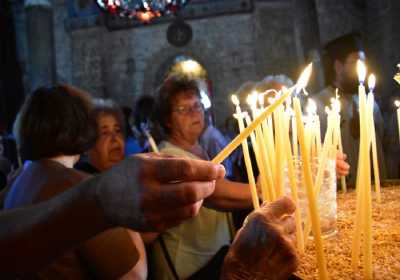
(115, 158)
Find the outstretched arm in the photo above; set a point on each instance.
(148, 192)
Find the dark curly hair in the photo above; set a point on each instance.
(167, 93)
(55, 121)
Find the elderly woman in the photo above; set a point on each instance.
(196, 248)
(105, 153)
(54, 130)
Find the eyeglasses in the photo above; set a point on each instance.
(186, 110)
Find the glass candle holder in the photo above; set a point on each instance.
(327, 204)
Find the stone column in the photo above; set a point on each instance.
(39, 20)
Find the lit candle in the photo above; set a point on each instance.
(322, 163)
(152, 143)
(263, 164)
(269, 136)
(363, 207)
(371, 102)
(397, 76)
(246, 154)
(294, 135)
(266, 184)
(279, 153)
(293, 186)
(397, 104)
(336, 106)
(246, 132)
(312, 202)
(312, 126)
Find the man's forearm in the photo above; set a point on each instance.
(33, 236)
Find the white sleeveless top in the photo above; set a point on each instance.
(194, 242)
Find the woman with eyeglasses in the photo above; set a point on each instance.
(196, 248)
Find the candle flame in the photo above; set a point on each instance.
(335, 104)
(261, 99)
(311, 107)
(271, 100)
(337, 93)
(371, 82)
(235, 100)
(304, 77)
(361, 71)
(397, 103)
(327, 110)
(252, 99)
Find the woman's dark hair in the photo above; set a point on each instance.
(55, 121)
(167, 93)
(127, 112)
(106, 107)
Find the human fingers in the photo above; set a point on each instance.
(284, 261)
(288, 224)
(160, 221)
(342, 168)
(176, 195)
(181, 169)
(279, 207)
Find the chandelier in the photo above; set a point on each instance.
(143, 10)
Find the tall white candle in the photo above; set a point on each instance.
(246, 154)
(371, 102)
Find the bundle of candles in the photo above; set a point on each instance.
(363, 219)
(279, 133)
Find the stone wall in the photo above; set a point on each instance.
(234, 40)
(233, 49)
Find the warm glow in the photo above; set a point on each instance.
(190, 66)
(261, 100)
(361, 71)
(371, 82)
(252, 99)
(327, 110)
(271, 100)
(304, 77)
(235, 100)
(311, 107)
(335, 104)
(145, 16)
(397, 103)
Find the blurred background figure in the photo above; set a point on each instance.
(146, 129)
(54, 129)
(132, 145)
(109, 150)
(340, 60)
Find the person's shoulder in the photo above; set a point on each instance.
(86, 167)
(59, 179)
